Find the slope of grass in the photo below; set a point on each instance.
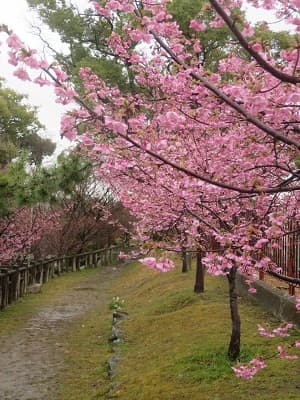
(85, 375)
(176, 342)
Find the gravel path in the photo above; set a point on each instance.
(31, 358)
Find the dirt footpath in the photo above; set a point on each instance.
(31, 359)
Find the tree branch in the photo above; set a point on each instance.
(243, 42)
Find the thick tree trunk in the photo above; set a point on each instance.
(199, 280)
(234, 345)
(184, 261)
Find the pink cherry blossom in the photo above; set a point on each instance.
(282, 354)
(42, 82)
(149, 262)
(282, 330)
(248, 30)
(197, 25)
(162, 265)
(263, 332)
(22, 74)
(248, 371)
(105, 12)
(14, 42)
(116, 126)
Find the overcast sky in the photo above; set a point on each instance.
(18, 17)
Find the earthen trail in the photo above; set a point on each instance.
(32, 357)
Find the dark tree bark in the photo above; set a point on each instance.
(234, 345)
(199, 280)
(184, 261)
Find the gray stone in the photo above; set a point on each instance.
(120, 314)
(116, 334)
(271, 299)
(36, 288)
(112, 364)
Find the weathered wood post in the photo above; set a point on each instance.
(22, 280)
(58, 267)
(1, 290)
(41, 272)
(15, 280)
(73, 263)
(4, 277)
(26, 278)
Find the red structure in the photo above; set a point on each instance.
(285, 253)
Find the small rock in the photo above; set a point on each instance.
(120, 314)
(36, 288)
(116, 335)
(112, 363)
(114, 349)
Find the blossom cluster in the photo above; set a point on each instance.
(163, 264)
(280, 331)
(248, 371)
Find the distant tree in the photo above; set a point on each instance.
(19, 129)
(84, 38)
(87, 213)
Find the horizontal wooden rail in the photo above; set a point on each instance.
(17, 280)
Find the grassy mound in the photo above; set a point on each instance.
(176, 342)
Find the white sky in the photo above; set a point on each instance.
(16, 14)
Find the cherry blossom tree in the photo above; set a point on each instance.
(21, 230)
(217, 152)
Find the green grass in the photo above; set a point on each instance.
(85, 376)
(175, 342)
(176, 345)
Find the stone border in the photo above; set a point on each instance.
(279, 304)
(116, 337)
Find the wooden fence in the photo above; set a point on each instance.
(17, 280)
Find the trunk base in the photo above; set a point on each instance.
(235, 340)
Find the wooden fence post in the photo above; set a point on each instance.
(15, 280)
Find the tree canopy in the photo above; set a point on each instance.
(20, 128)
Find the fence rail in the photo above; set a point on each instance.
(285, 254)
(17, 280)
